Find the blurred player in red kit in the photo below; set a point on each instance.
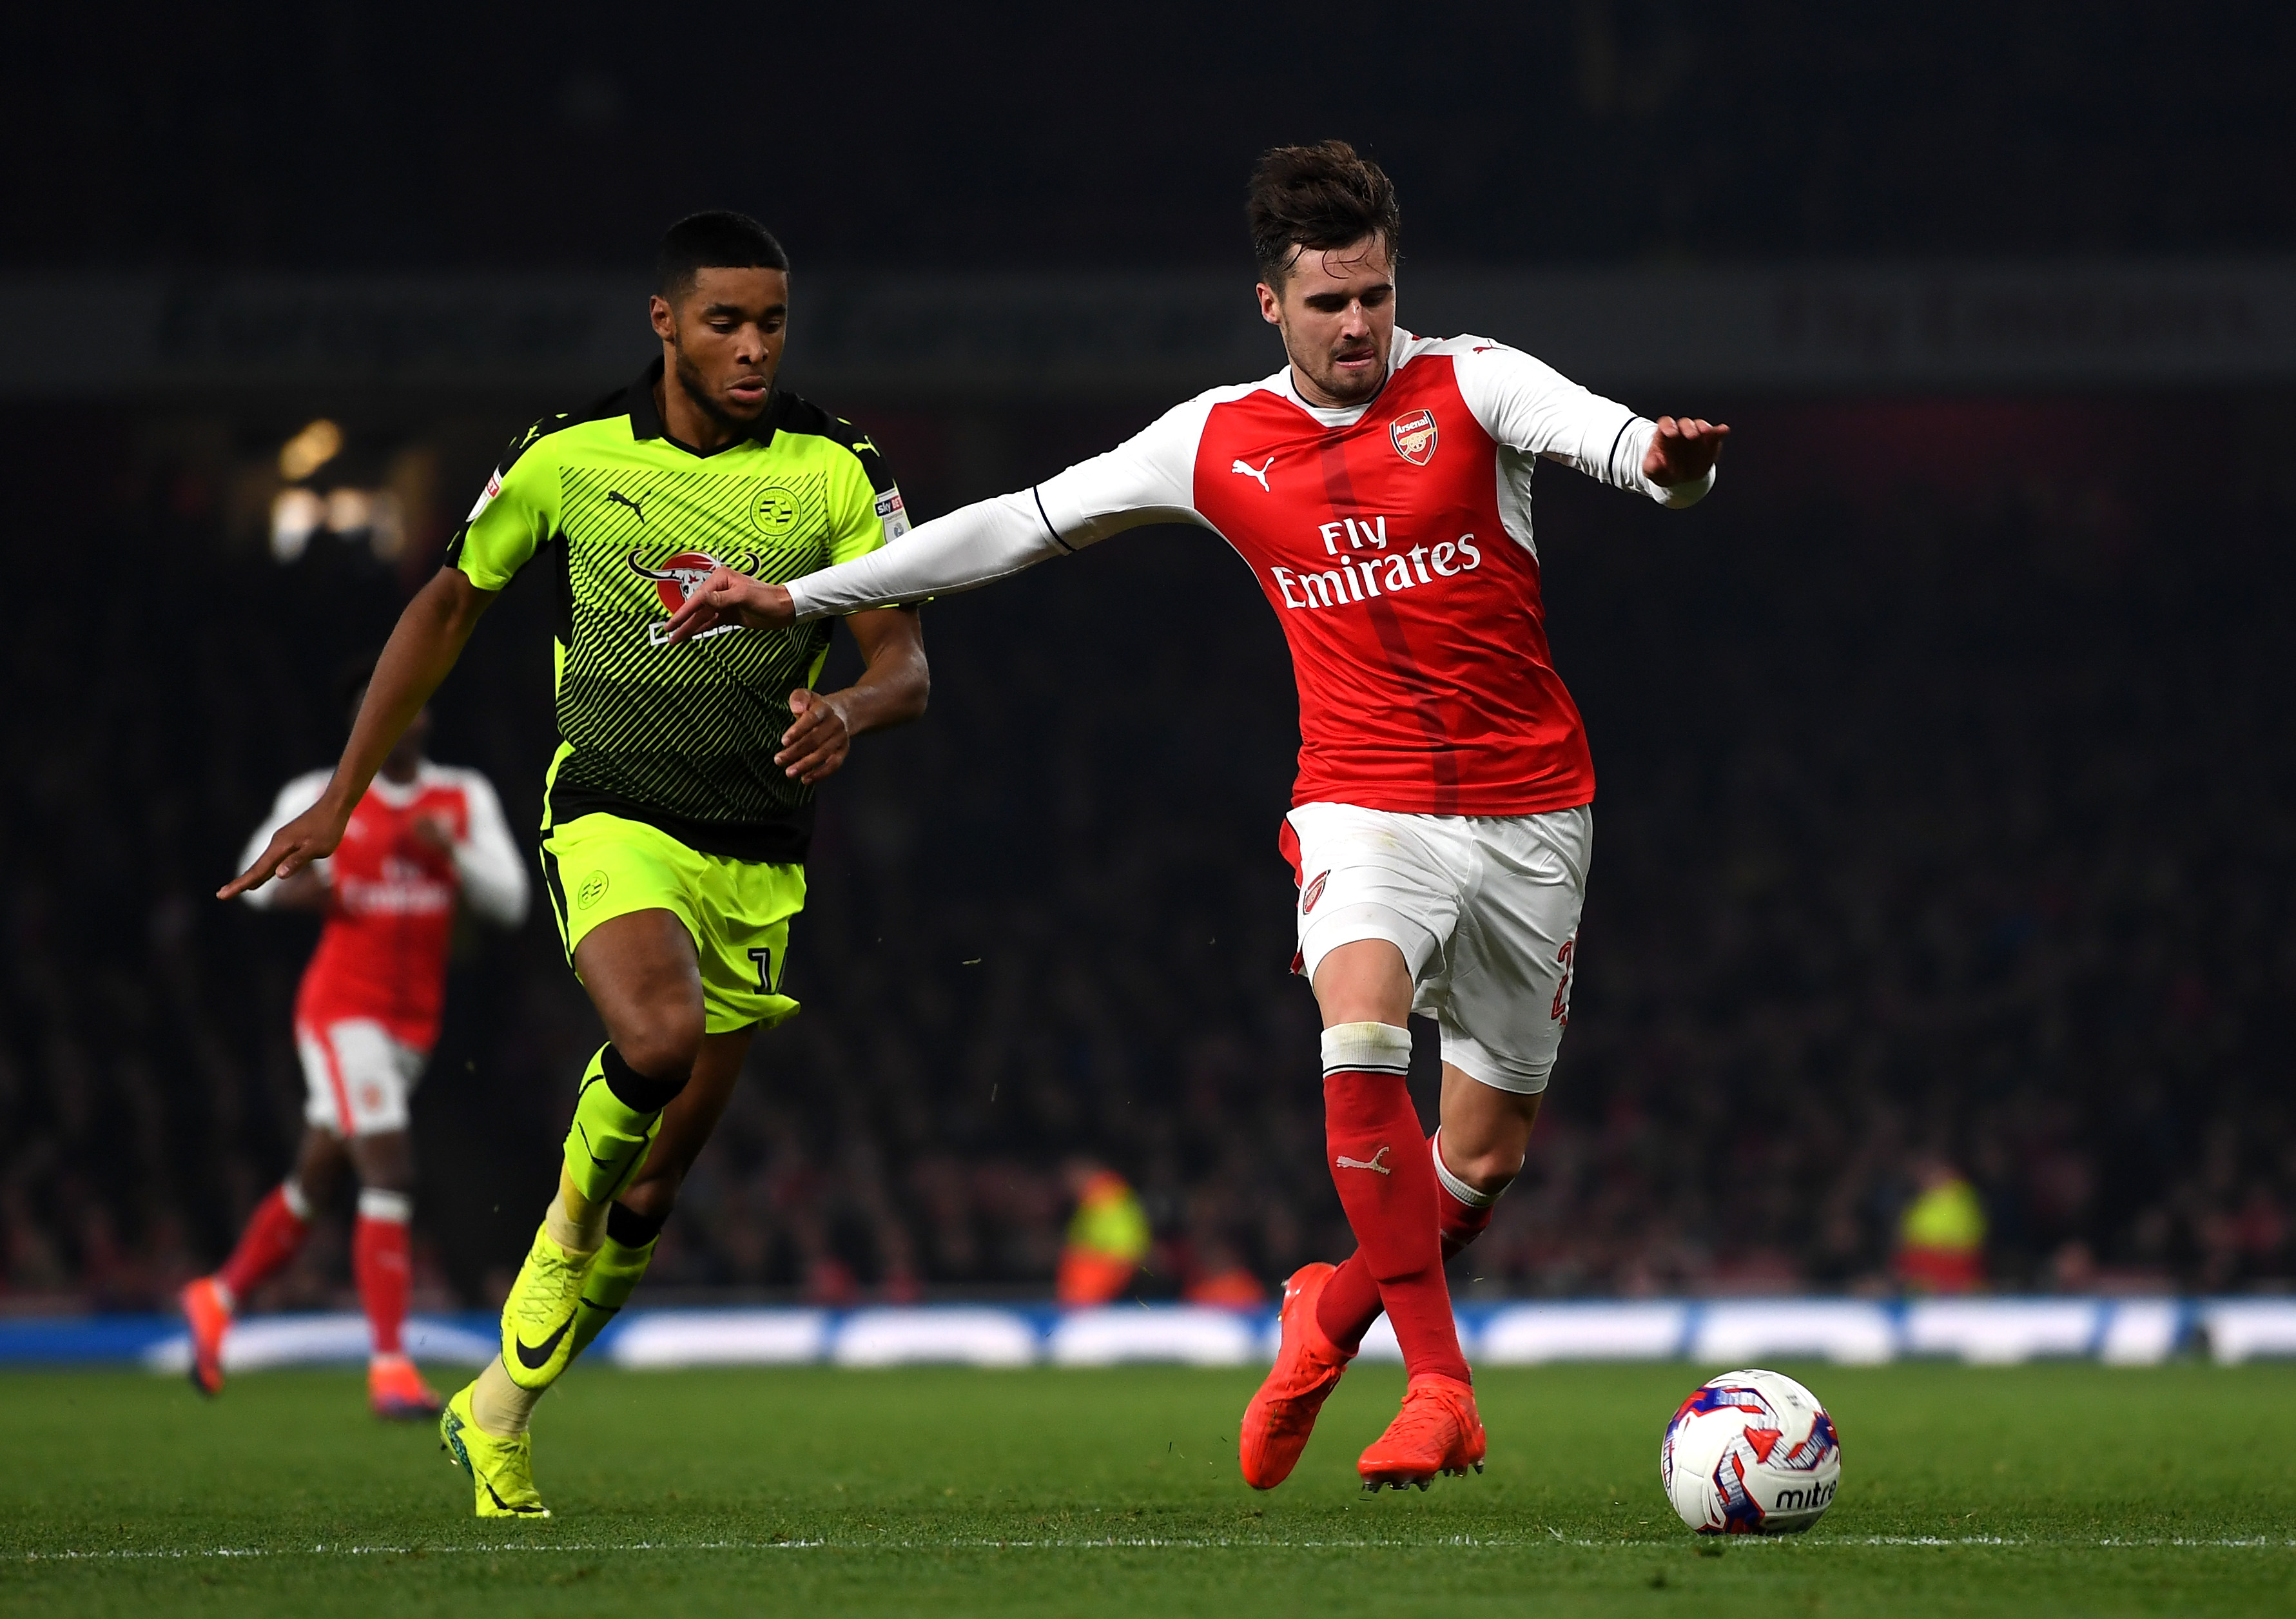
(1379, 487)
(424, 837)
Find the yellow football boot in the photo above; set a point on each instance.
(501, 1470)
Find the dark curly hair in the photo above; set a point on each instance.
(719, 239)
(1326, 195)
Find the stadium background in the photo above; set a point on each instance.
(1945, 755)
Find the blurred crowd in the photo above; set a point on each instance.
(1944, 848)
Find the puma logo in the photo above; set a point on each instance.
(615, 497)
(1376, 1164)
(1249, 471)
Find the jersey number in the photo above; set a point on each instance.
(764, 958)
(1568, 956)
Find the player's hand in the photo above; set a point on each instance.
(815, 745)
(434, 830)
(311, 836)
(726, 597)
(1683, 451)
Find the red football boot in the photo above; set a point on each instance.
(208, 1316)
(1437, 1431)
(1307, 1367)
(396, 1391)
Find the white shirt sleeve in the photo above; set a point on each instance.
(1528, 405)
(293, 800)
(1149, 479)
(486, 858)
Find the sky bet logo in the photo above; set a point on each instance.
(1352, 578)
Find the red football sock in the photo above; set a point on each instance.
(1387, 1185)
(273, 1234)
(1350, 1304)
(379, 1260)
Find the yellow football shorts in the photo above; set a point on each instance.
(602, 866)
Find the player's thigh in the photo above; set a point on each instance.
(1372, 875)
(627, 900)
(1507, 1000)
(693, 1113)
(643, 974)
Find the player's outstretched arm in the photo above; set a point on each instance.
(893, 690)
(1682, 450)
(968, 547)
(420, 651)
(726, 597)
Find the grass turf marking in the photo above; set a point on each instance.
(1141, 1542)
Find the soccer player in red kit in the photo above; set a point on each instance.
(1379, 487)
(424, 837)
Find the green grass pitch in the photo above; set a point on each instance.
(2031, 1490)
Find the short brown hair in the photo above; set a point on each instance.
(1322, 196)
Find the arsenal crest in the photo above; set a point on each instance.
(1413, 436)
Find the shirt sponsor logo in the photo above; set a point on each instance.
(1413, 436)
(393, 895)
(678, 577)
(1387, 572)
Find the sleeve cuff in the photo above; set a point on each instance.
(1676, 496)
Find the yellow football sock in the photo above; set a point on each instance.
(614, 1277)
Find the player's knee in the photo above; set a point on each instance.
(661, 1052)
(643, 1206)
(397, 1178)
(385, 1161)
(1486, 1163)
(1491, 1173)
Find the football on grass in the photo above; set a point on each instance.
(1751, 1453)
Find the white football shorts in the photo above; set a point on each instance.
(1484, 908)
(359, 1077)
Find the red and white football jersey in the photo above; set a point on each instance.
(391, 897)
(1392, 539)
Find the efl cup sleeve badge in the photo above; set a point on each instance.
(1413, 436)
(486, 496)
(892, 515)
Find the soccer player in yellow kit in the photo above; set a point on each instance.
(679, 802)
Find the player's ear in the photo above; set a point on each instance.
(1271, 305)
(664, 318)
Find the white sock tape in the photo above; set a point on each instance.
(376, 1204)
(1377, 1048)
(1457, 1188)
(291, 1193)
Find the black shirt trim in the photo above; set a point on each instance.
(783, 840)
(645, 420)
(1047, 521)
